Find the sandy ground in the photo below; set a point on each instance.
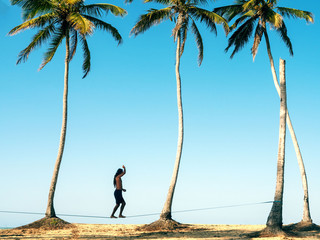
(124, 232)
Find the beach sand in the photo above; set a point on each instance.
(129, 231)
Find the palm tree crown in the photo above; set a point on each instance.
(259, 13)
(58, 19)
(183, 13)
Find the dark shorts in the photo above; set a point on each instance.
(118, 196)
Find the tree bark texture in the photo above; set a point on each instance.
(274, 221)
(50, 212)
(306, 206)
(166, 211)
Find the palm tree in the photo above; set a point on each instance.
(184, 14)
(73, 21)
(274, 223)
(254, 15)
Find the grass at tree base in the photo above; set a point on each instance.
(162, 224)
(302, 227)
(47, 223)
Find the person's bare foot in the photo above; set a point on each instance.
(121, 216)
(113, 216)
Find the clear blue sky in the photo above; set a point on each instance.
(125, 112)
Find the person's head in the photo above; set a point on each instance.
(119, 171)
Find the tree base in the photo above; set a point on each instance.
(269, 232)
(303, 226)
(162, 224)
(47, 223)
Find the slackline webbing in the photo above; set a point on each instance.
(144, 215)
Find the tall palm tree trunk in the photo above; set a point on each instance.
(50, 208)
(306, 209)
(274, 222)
(166, 211)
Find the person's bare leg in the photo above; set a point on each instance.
(114, 211)
(121, 209)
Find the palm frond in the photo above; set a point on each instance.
(97, 9)
(176, 30)
(241, 19)
(30, 8)
(199, 42)
(106, 27)
(73, 43)
(55, 43)
(284, 36)
(240, 1)
(200, 2)
(241, 36)
(80, 23)
(17, 2)
(274, 2)
(229, 12)
(257, 39)
(210, 18)
(274, 18)
(33, 23)
(74, 2)
(295, 13)
(183, 33)
(153, 17)
(86, 56)
(37, 40)
(250, 4)
(164, 2)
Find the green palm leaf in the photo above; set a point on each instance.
(198, 2)
(153, 17)
(37, 40)
(257, 39)
(229, 12)
(242, 18)
(284, 36)
(199, 42)
(106, 27)
(55, 43)
(183, 34)
(295, 13)
(33, 23)
(80, 23)
(267, 12)
(164, 2)
(210, 18)
(274, 2)
(86, 56)
(250, 4)
(73, 43)
(274, 18)
(97, 9)
(74, 2)
(33, 7)
(241, 36)
(59, 17)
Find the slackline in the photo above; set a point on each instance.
(144, 215)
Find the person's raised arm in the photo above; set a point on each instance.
(123, 173)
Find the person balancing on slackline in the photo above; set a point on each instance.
(117, 182)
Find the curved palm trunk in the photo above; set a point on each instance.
(166, 211)
(274, 222)
(50, 208)
(306, 208)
